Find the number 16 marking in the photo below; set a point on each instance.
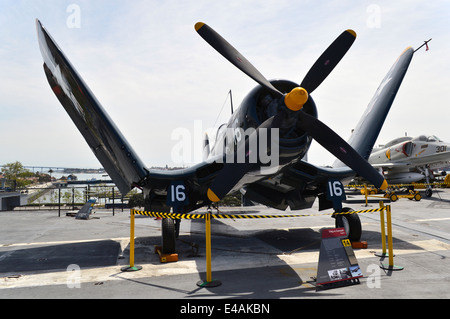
(178, 194)
(335, 189)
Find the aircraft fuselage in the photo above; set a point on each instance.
(258, 106)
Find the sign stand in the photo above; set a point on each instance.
(338, 265)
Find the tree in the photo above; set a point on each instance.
(136, 200)
(13, 170)
(14, 173)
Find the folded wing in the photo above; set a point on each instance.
(106, 141)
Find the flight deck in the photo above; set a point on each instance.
(46, 256)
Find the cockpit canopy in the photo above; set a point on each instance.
(430, 138)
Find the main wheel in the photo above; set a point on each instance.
(351, 223)
(168, 236)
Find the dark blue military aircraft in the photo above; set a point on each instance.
(279, 110)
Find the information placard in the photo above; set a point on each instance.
(337, 262)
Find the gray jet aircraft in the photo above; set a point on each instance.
(407, 160)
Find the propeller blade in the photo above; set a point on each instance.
(233, 171)
(328, 61)
(232, 55)
(326, 137)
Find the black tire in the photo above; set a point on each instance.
(168, 236)
(428, 192)
(351, 223)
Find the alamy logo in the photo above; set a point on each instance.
(73, 276)
(74, 19)
(230, 145)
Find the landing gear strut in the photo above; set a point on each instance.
(428, 191)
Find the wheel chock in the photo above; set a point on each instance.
(359, 245)
(165, 258)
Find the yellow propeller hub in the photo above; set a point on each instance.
(295, 99)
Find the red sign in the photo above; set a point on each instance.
(334, 232)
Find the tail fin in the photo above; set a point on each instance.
(366, 132)
(86, 210)
(106, 141)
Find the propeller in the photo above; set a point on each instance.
(294, 101)
(332, 142)
(231, 54)
(328, 60)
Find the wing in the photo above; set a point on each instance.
(430, 159)
(109, 145)
(297, 186)
(106, 141)
(367, 130)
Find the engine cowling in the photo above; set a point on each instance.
(260, 104)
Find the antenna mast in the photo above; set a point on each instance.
(425, 43)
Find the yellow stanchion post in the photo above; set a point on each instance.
(383, 232)
(389, 231)
(209, 283)
(366, 194)
(391, 265)
(208, 247)
(131, 267)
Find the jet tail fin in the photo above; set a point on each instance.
(86, 210)
(366, 132)
(106, 141)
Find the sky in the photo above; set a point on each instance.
(154, 74)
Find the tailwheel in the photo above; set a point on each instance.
(168, 236)
(351, 223)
